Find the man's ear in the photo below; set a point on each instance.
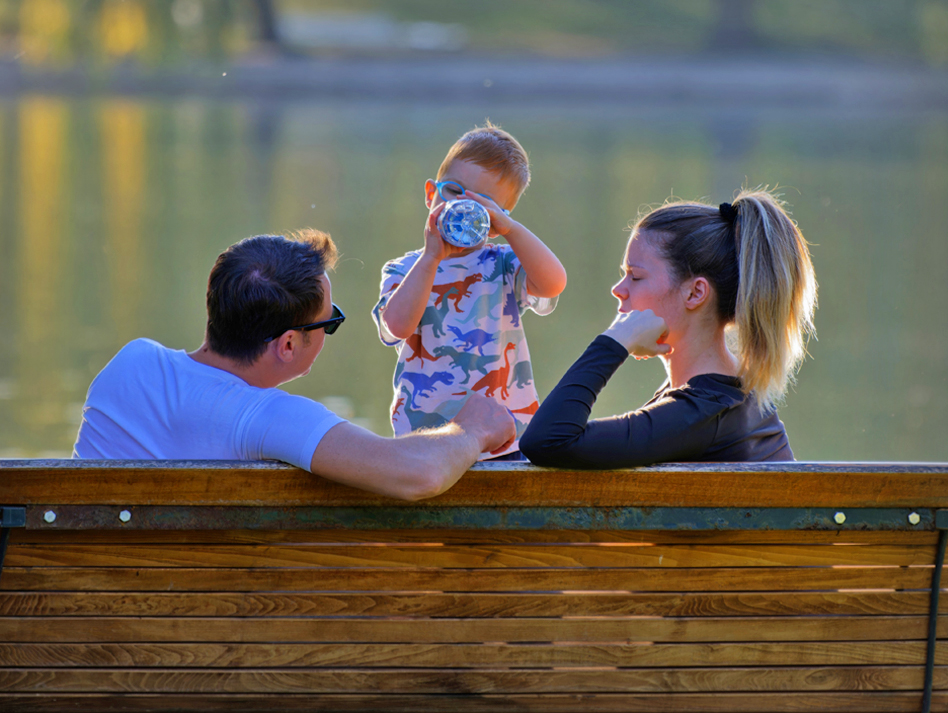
(696, 292)
(430, 190)
(286, 345)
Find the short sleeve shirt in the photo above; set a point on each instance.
(151, 402)
(469, 339)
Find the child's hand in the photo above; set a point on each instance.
(435, 245)
(640, 333)
(500, 222)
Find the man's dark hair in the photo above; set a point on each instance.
(261, 287)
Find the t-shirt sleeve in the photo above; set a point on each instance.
(679, 425)
(393, 272)
(287, 427)
(541, 305)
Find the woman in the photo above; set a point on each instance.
(694, 279)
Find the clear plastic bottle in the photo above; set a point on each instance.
(464, 223)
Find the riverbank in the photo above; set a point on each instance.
(787, 83)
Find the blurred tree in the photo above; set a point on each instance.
(266, 23)
(123, 28)
(44, 31)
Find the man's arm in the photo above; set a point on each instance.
(421, 464)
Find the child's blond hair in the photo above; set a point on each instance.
(495, 150)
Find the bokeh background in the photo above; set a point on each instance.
(139, 138)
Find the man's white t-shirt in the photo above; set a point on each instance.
(151, 402)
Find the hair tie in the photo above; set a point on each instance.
(728, 212)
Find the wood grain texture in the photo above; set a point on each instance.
(279, 655)
(683, 579)
(670, 485)
(709, 629)
(487, 605)
(394, 681)
(825, 702)
(452, 556)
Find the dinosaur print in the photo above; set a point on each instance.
(422, 419)
(462, 343)
(499, 266)
(397, 405)
(522, 374)
(487, 254)
(425, 383)
(466, 361)
(476, 338)
(418, 350)
(512, 309)
(529, 410)
(434, 316)
(462, 289)
(480, 308)
(496, 379)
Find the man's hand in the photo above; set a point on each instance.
(488, 421)
(639, 333)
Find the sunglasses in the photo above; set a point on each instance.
(327, 325)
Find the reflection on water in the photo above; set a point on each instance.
(113, 210)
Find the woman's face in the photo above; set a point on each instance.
(646, 281)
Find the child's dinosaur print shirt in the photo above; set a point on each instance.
(470, 338)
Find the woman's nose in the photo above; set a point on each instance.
(619, 291)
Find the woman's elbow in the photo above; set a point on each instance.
(531, 445)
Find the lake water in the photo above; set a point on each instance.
(112, 211)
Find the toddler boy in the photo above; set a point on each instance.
(454, 314)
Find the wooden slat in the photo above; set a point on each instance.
(467, 655)
(504, 484)
(824, 702)
(458, 556)
(318, 681)
(473, 537)
(465, 580)
(146, 629)
(435, 604)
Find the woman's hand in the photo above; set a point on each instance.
(640, 333)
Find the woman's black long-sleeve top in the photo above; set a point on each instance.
(707, 419)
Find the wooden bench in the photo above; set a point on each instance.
(218, 586)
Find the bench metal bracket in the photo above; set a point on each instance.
(941, 522)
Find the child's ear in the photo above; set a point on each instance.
(430, 190)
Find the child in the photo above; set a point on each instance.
(454, 313)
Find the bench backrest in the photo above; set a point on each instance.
(238, 587)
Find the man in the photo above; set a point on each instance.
(269, 309)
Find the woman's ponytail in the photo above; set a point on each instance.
(776, 295)
(759, 265)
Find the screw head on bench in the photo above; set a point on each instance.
(49, 516)
(839, 518)
(914, 518)
(125, 516)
